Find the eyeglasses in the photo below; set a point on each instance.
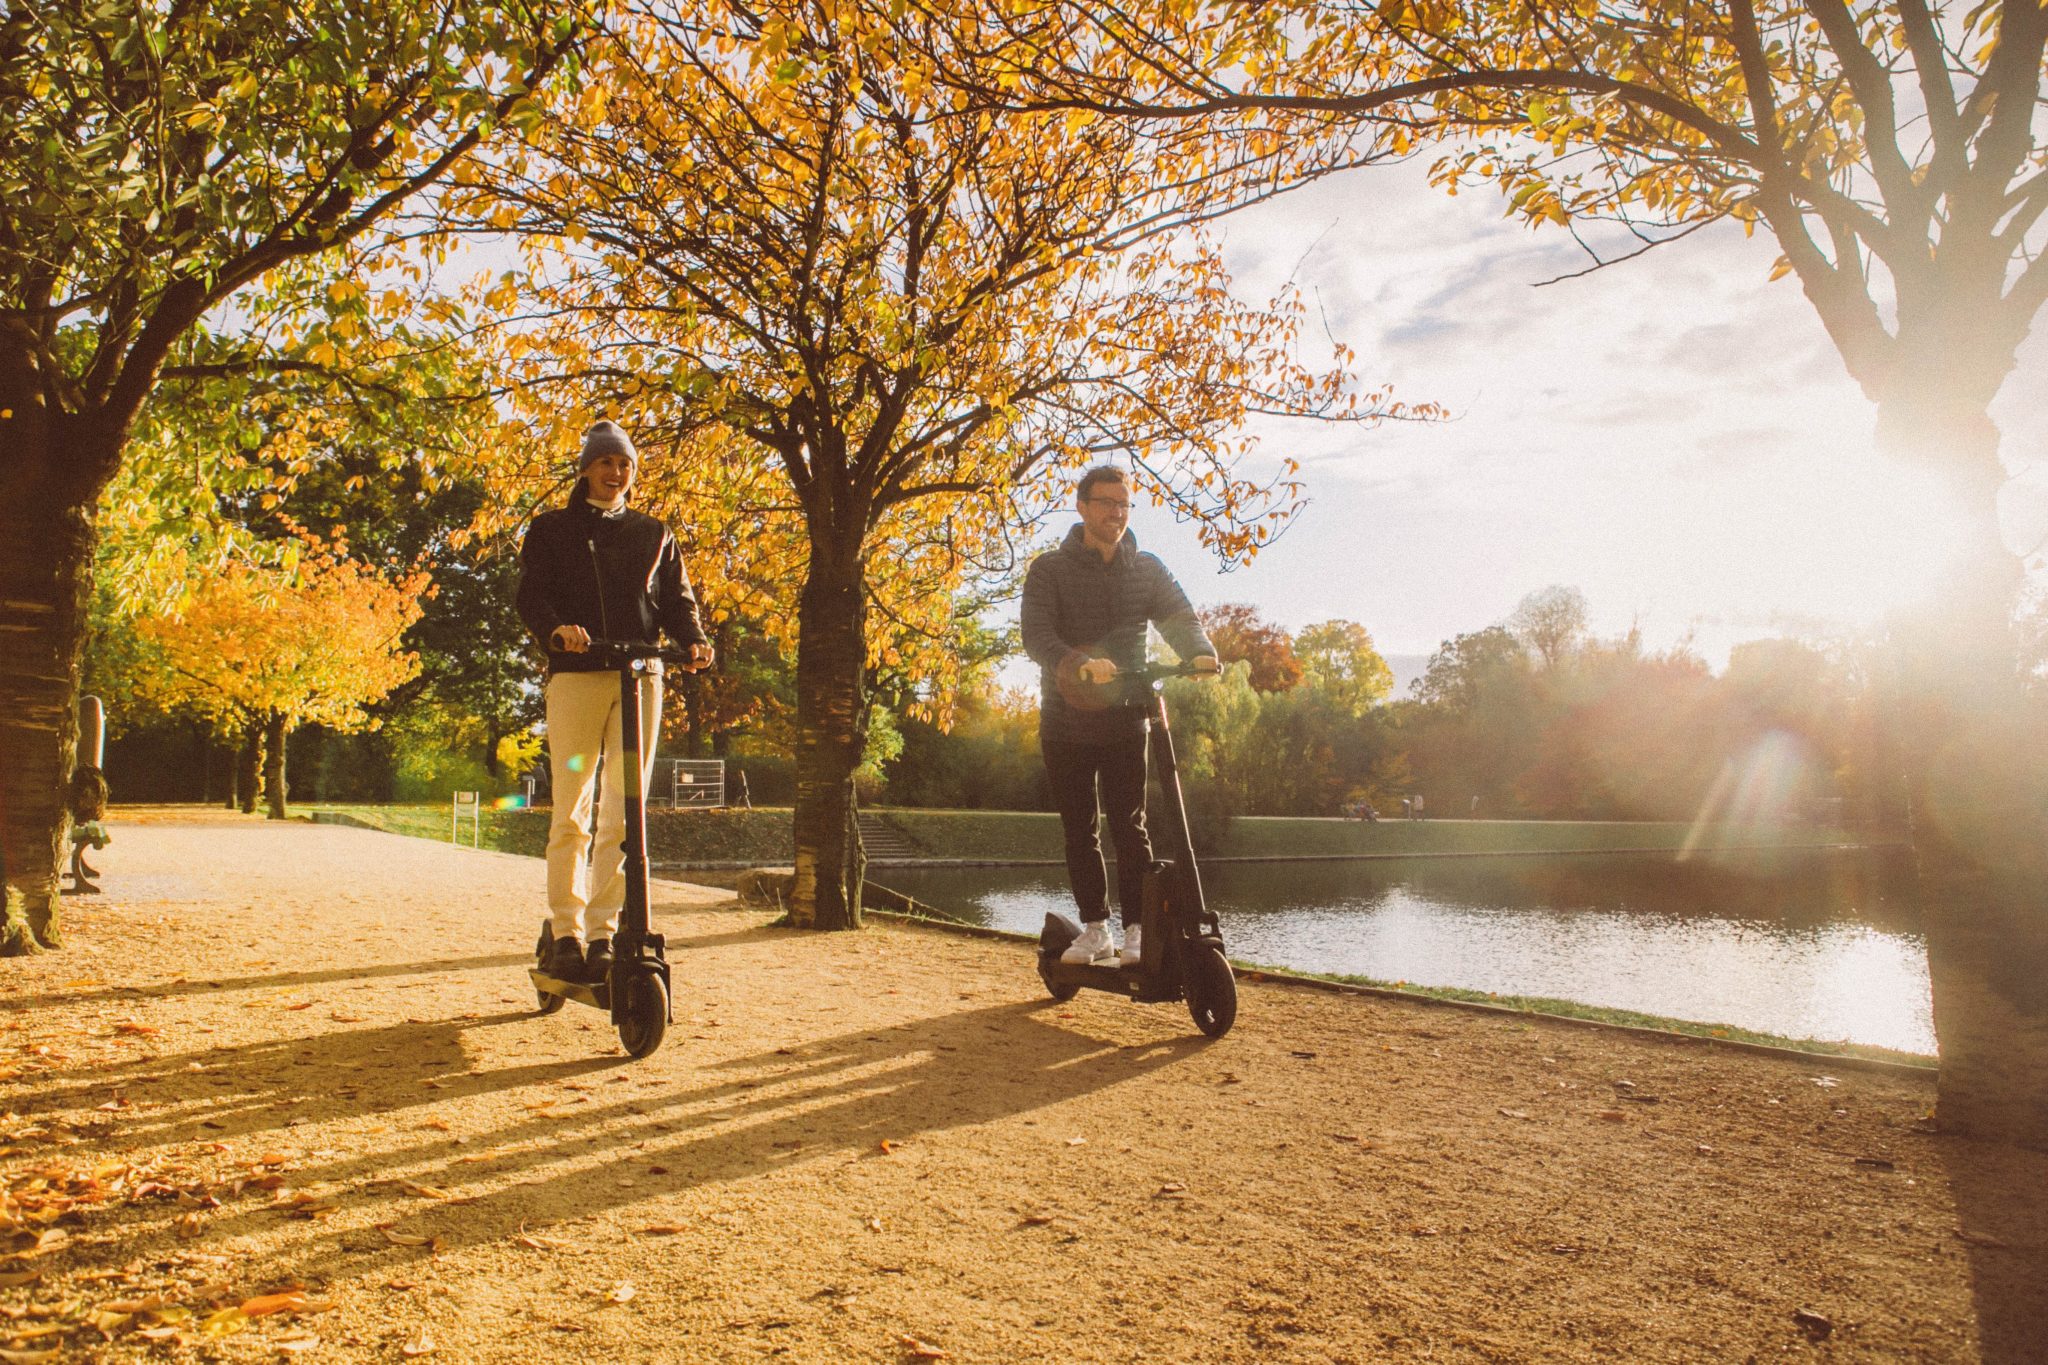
(1124, 503)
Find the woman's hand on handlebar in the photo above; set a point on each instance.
(570, 639)
(1204, 666)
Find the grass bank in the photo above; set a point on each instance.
(699, 837)
(673, 837)
(998, 835)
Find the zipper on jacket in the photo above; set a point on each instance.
(603, 621)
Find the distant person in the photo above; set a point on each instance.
(1086, 606)
(1474, 813)
(596, 569)
(1418, 805)
(1407, 808)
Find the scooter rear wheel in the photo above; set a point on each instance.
(1061, 991)
(1211, 991)
(547, 1003)
(644, 1016)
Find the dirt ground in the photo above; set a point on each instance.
(285, 1095)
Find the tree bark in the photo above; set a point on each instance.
(832, 718)
(274, 735)
(1978, 799)
(249, 769)
(46, 555)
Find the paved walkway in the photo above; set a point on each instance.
(303, 1059)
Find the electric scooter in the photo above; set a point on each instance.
(1182, 956)
(636, 991)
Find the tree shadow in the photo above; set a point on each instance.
(2001, 1196)
(811, 1100)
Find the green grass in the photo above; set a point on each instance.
(712, 836)
(765, 836)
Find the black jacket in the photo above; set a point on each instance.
(619, 575)
(1079, 606)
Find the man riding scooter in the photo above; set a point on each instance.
(1085, 610)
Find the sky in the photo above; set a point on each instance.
(1674, 436)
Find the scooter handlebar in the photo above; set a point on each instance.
(622, 653)
(1152, 675)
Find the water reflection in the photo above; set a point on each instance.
(1807, 945)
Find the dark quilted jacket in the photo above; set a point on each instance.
(618, 575)
(1077, 606)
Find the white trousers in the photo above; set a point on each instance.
(585, 892)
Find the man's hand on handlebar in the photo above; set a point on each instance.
(570, 639)
(1204, 666)
(701, 655)
(1097, 671)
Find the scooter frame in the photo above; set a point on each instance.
(1182, 957)
(636, 992)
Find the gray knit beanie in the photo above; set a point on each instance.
(607, 438)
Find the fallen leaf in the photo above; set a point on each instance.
(439, 1125)
(263, 1305)
(1612, 1116)
(663, 1229)
(874, 1225)
(1514, 1113)
(1172, 1189)
(306, 1006)
(622, 1292)
(426, 1191)
(130, 1026)
(1876, 1163)
(296, 1343)
(190, 1226)
(28, 1357)
(886, 1146)
(421, 1345)
(404, 1239)
(922, 1350)
(14, 1279)
(224, 1323)
(1076, 1141)
(346, 1018)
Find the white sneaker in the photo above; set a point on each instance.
(1092, 946)
(1131, 954)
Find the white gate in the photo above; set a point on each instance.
(697, 782)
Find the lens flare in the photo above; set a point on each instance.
(1758, 790)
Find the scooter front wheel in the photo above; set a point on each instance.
(1211, 991)
(643, 1016)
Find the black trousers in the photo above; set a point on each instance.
(1115, 770)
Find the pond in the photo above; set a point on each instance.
(1822, 945)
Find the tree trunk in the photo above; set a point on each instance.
(831, 722)
(249, 768)
(1978, 799)
(274, 735)
(46, 556)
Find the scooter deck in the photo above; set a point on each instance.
(582, 992)
(1139, 985)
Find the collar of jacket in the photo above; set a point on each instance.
(1076, 543)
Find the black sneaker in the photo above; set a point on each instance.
(563, 960)
(597, 961)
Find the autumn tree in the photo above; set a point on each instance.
(1340, 658)
(866, 325)
(268, 647)
(1551, 621)
(155, 161)
(1896, 153)
(1239, 632)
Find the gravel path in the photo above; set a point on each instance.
(296, 1068)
